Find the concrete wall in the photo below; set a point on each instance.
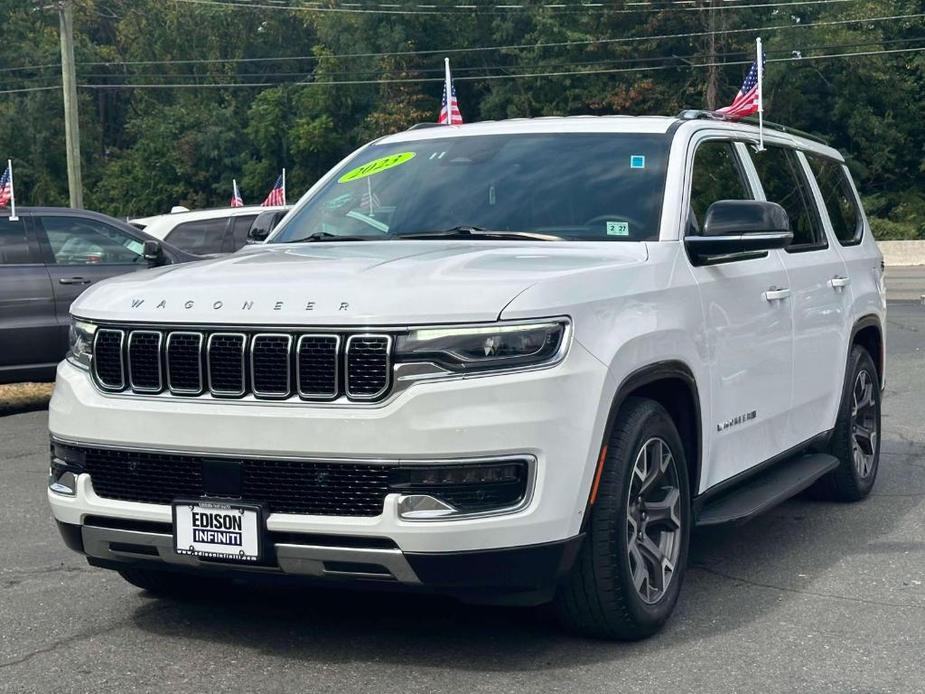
(903, 252)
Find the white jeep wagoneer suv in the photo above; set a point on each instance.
(509, 361)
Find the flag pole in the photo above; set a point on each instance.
(13, 217)
(760, 64)
(448, 85)
(284, 186)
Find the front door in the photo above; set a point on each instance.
(29, 337)
(82, 251)
(749, 331)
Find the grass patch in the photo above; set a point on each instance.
(24, 397)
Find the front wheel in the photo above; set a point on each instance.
(627, 578)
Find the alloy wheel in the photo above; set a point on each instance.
(864, 425)
(653, 520)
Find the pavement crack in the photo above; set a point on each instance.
(76, 638)
(799, 591)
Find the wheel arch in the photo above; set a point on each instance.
(868, 333)
(672, 384)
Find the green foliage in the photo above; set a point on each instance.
(145, 150)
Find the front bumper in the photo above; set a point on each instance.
(553, 416)
(524, 575)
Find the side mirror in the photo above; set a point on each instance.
(152, 252)
(740, 226)
(257, 234)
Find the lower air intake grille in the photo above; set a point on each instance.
(285, 486)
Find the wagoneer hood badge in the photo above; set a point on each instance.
(359, 283)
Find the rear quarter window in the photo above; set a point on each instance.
(838, 196)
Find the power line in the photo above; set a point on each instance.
(464, 69)
(477, 78)
(584, 7)
(30, 89)
(555, 44)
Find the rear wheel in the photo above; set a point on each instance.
(856, 438)
(627, 578)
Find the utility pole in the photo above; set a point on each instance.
(713, 69)
(69, 84)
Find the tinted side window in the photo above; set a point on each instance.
(838, 197)
(205, 236)
(716, 176)
(784, 183)
(239, 229)
(14, 244)
(79, 241)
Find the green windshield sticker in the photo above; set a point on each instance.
(375, 166)
(618, 229)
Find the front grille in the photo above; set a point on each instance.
(108, 363)
(270, 365)
(144, 361)
(226, 364)
(367, 365)
(284, 486)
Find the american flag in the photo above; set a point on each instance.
(746, 101)
(277, 196)
(236, 200)
(6, 188)
(454, 115)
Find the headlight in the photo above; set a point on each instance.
(478, 348)
(80, 343)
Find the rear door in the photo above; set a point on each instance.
(749, 337)
(236, 236)
(82, 251)
(820, 302)
(29, 336)
(202, 237)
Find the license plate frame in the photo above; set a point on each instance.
(220, 544)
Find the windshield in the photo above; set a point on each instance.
(576, 186)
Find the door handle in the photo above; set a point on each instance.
(73, 280)
(776, 294)
(839, 282)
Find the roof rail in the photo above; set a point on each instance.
(700, 114)
(421, 126)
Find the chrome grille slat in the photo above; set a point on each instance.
(270, 365)
(368, 365)
(313, 366)
(184, 362)
(225, 358)
(317, 358)
(109, 359)
(144, 361)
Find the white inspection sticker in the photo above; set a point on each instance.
(618, 228)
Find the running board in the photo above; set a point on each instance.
(766, 490)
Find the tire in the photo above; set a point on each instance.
(600, 597)
(856, 473)
(171, 584)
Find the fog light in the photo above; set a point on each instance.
(66, 465)
(439, 491)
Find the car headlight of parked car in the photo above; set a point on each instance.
(485, 348)
(80, 343)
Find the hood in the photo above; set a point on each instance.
(359, 283)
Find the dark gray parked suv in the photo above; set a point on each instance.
(47, 258)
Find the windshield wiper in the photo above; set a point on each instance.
(327, 236)
(470, 232)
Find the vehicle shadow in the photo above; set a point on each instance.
(737, 576)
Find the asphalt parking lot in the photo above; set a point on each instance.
(811, 597)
